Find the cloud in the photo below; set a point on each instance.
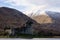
(29, 6)
(16, 2)
(55, 9)
(35, 8)
(54, 3)
(38, 2)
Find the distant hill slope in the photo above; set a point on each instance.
(49, 23)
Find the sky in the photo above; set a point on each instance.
(29, 6)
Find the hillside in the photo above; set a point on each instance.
(41, 23)
(14, 21)
(49, 23)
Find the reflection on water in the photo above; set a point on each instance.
(46, 39)
(30, 39)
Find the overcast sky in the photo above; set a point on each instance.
(28, 6)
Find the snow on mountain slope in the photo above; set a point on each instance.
(49, 22)
(54, 15)
(47, 13)
(37, 13)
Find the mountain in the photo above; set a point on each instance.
(12, 20)
(41, 23)
(11, 17)
(49, 23)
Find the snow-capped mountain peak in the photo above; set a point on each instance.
(37, 13)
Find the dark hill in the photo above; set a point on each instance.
(12, 18)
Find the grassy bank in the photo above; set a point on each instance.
(28, 36)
